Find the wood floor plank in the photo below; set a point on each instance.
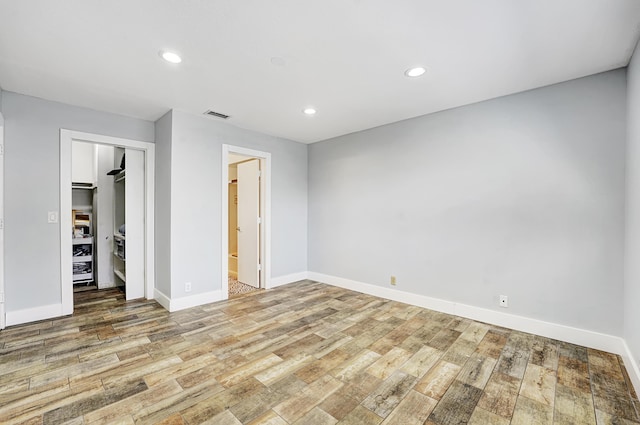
(284, 368)
(457, 404)
(539, 384)
(316, 416)
(545, 353)
(573, 406)
(530, 412)
(263, 400)
(574, 373)
(477, 371)
(89, 404)
(414, 409)
(197, 404)
(389, 363)
(239, 374)
(297, 406)
(388, 395)
(436, 382)
(339, 404)
(484, 417)
(422, 361)
(352, 367)
(38, 405)
(361, 415)
(269, 418)
(500, 395)
(132, 405)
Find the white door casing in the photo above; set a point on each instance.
(265, 207)
(148, 149)
(3, 318)
(248, 225)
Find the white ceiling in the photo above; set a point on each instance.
(344, 57)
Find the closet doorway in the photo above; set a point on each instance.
(106, 204)
(245, 220)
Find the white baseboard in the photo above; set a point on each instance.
(162, 299)
(600, 341)
(290, 278)
(631, 365)
(105, 285)
(27, 315)
(182, 303)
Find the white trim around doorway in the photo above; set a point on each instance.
(66, 139)
(265, 211)
(3, 317)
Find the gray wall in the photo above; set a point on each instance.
(32, 176)
(196, 174)
(163, 128)
(632, 263)
(521, 195)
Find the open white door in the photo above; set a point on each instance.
(134, 219)
(248, 222)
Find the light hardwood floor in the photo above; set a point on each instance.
(305, 353)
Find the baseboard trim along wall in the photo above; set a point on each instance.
(599, 341)
(289, 278)
(182, 303)
(632, 366)
(28, 315)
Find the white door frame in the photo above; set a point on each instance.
(3, 317)
(66, 139)
(265, 213)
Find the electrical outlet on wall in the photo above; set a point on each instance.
(504, 301)
(187, 287)
(392, 281)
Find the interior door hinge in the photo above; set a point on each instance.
(1, 297)
(1, 223)
(259, 267)
(1, 149)
(259, 220)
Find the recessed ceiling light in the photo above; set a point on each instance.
(309, 111)
(415, 72)
(170, 56)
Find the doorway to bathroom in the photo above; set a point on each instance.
(245, 230)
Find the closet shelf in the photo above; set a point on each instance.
(88, 186)
(120, 176)
(120, 275)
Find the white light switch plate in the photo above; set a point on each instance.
(52, 216)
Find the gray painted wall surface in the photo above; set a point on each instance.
(632, 259)
(163, 129)
(521, 195)
(196, 201)
(32, 187)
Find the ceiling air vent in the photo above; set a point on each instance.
(216, 114)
